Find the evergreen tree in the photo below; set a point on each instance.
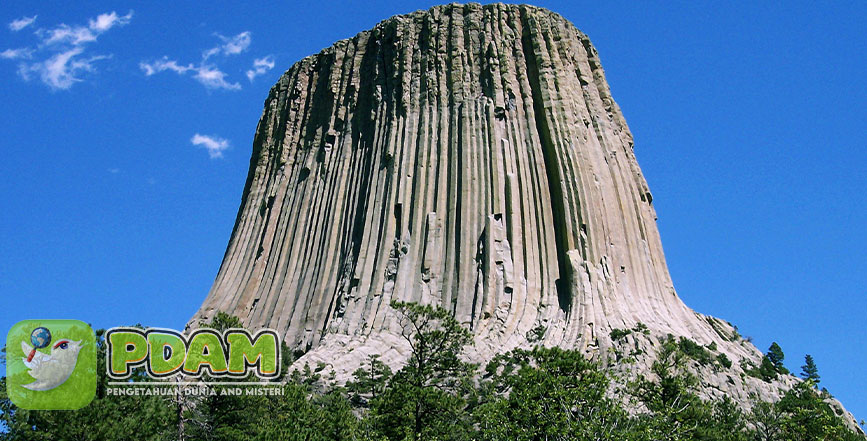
(767, 371)
(776, 356)
(807, 416)
(427, 398)
(549, 393)
(809, 371)
(370, 381)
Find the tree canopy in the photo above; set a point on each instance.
(537, 394)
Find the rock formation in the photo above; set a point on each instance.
(466, 156)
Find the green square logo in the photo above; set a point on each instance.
(51, 364)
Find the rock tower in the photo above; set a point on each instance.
(466, 156)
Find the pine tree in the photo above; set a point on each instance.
(809, 371)
(775, 354)
(426, 398)
(767, 371)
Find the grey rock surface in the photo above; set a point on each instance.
(466, 156)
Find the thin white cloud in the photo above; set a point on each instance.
(236, 44)
(214, 144)
(163, 65)
(65, 34)
(210, 52)
(260, 66)
(59, 71)
(208, 74)
(14, 54)
(62, 59)
(78, 35)
(104, 22)
(114, 171)
(231, 45)
(62, 70)
(214, 78)
(21, 23)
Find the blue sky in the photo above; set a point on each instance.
(126, 137)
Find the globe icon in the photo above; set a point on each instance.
(40, 337)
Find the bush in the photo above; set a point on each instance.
(617, 334)
(724, 361)
(694, 350)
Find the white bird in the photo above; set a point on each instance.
(52, 370)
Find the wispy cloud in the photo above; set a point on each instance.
(214, 78)
(206, 73)
(104, 22)
(21, 23)
(209, 75)
(214, 144)
(163, 65)
(62, 59)
(14, 54)
(62, 70)
(260, 66)
(65, 34)
(78, 35)
(231, 45)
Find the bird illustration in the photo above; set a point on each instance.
(52, 370)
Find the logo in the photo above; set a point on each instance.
(165, 353)
(51, 364)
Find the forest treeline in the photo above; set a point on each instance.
(538, 394)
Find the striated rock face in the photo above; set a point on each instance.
(466, 156)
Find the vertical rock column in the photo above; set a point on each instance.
(466, 156)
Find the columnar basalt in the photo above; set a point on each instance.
(466, 156)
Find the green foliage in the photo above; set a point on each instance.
(617, 334)
(428, 398)
(640, 328)
(723, 360)
(694, 350)
(775, 355)
(809, 371)
(370, 381)
(302, 415)
(548, 393)
(804, 415)
(222, 321)
(767, 370)
(539, 394)
(675, 408)
(677, 413)
(536, 333)
(767, 419)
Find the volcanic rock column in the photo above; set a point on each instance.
(466, 156)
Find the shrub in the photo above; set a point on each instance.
(724, 361)
(617, 334)
(694, 350)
